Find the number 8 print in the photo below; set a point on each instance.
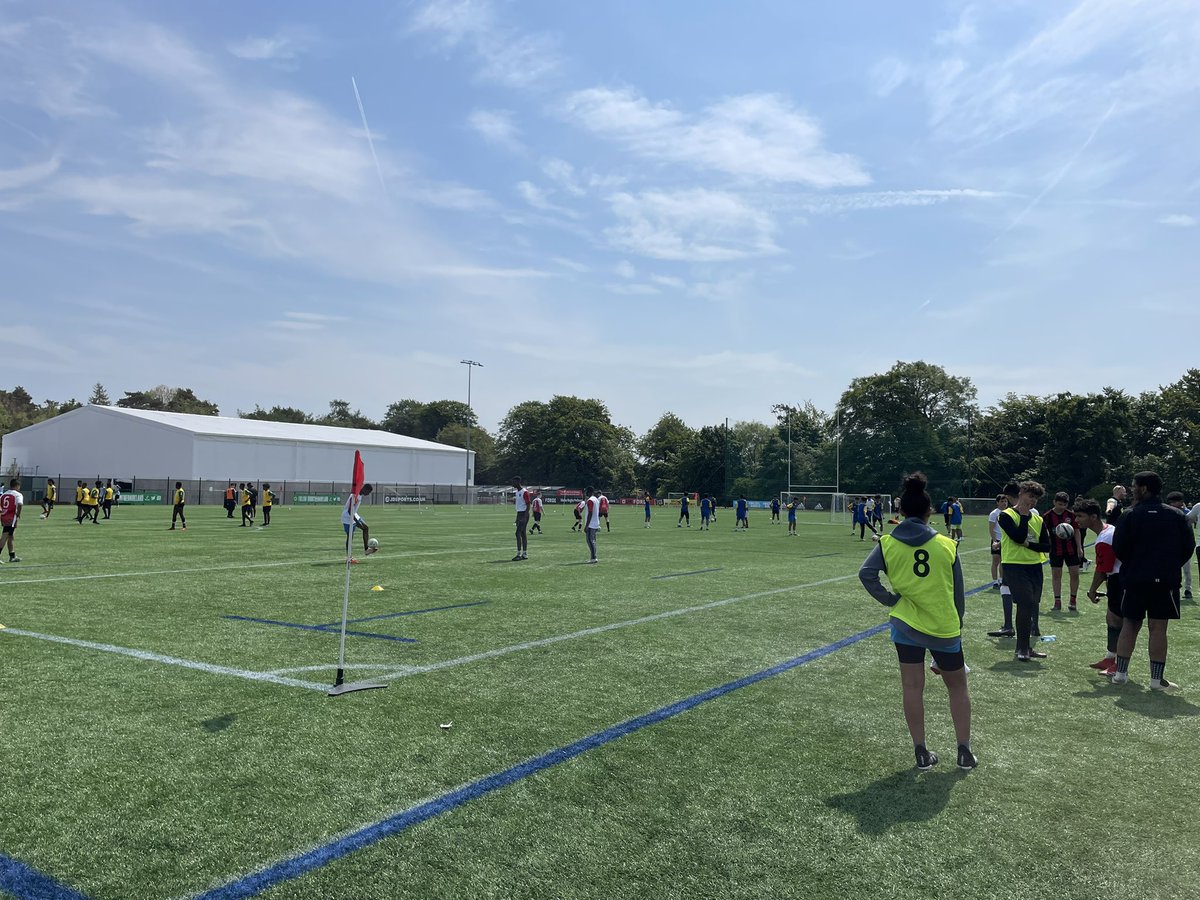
(921, 563)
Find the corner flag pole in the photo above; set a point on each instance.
(339, 686)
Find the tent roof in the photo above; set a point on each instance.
(255, 429)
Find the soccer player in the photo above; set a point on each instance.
(268, 500)
(927, 602)
(94, 501)
(180, 499)
(108, 499)
(578, 526)
(860, 518)
(647, 502)
(705, 513)
(536, 506)
(956, 517)
(1023, 548)
(774, 510)
(1108, 573)
(877, 515)
(1175, 501)
(253, 491)
(1193, 518)
(521, 498)
(683, 512)
(604, 509)
(247, 509)
(50, 498)
(1003, 502)
(944, 509)
(12, 502)
(80, 495)
(1063, 552)
(1152, 541)
(743, 515)
(230, 500)
(791, 510)
(591, 526)
(351, 520)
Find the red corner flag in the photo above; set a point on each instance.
(356, 481)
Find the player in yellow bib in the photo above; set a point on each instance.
(268, 500)
(1023, 549)
(927, 603)
(179, 500)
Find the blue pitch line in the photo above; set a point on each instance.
(301, 864)
(322, 628)
(681, 574)
(27, 883)
(411, 612)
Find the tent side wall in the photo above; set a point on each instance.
(87, 442)
(219, 458)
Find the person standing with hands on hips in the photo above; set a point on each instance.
(1023, 549)
(927, 603)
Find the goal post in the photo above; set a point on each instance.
(817, 504)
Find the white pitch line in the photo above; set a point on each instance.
(406, 671)
(228, 568)
(148, 656)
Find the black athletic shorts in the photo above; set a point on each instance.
(1070, 560)
(1155, 601)
(49, 504)
(10, 528)
(995, 548)
(1115, 593)
(946, 661)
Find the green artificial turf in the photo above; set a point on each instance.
(126, 777)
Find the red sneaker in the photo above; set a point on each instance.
(353, 561)
(1105, 663)
(1110, 669)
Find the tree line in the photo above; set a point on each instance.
(914, 416)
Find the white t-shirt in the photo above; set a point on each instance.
(11, 502)
(994, 523)
(1193, 518)
(1105, 537)
(537, 504)
(591, 515)
(350, 510)
(522, 500)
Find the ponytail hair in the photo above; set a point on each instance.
(914, 500)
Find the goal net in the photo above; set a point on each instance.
(815, 504)
(674, 498)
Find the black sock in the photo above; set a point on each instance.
(1157, 669)
(1114, 634)
(1123, 665)
(1006, 599)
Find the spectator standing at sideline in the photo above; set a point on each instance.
(1152, 541)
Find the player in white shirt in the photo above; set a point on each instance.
(536, 506)
(591, 521)
(994, 532)
(11, 503)
(352, 520)
(1193, 518)
(522, 498)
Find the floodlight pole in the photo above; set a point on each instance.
(470, 364)
(789, 449)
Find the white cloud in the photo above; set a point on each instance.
(668, 281)
(25, 175)
(848, 202)
(887, 75)
(537, 198)
(277, 48)
(696, 225)
(757, 136)
(1178, 220)
(505, 55)
(562, 173)
(962, 34)
(625, 269)
(497, 127)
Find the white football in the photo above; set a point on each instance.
(374, 544)
(1065, 531)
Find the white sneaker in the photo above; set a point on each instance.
(1157, 684)
(1120, 677)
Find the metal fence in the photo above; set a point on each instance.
(207, 492)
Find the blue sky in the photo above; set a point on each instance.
(699, 207)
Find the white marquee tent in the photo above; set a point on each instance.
(110, 441)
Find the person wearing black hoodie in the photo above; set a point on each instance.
(927, 603)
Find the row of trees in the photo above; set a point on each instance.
(915, 415)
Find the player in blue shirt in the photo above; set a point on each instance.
(792, 506)
(956, 516)
(743, 520)
(648, 509)
(705, 513)
(683, 512)
(774, 510)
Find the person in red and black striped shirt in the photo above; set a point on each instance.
(1063, 551)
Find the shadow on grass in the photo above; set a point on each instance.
(908, 796)
(1131, 697)
(1012, 666)
(218, 723)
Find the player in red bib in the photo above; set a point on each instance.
(11, 503)
(604, 511)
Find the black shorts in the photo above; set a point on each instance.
(537, 517)
(1115, 593)
(49, 504)
(9, 528)
(1071, 561)
(946, 661)
(995, 548)
(1154, 601)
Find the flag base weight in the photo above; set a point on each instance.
(338, 689)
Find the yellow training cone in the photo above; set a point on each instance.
(378, 587)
